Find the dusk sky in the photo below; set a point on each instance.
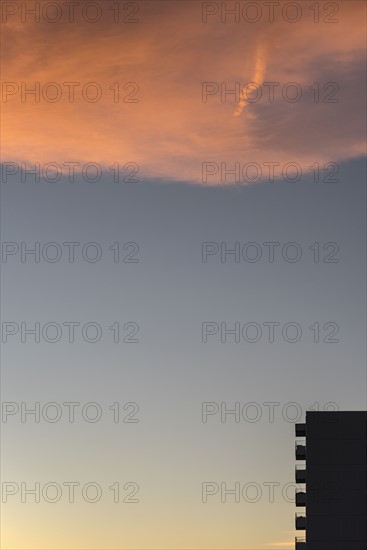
(239, 223)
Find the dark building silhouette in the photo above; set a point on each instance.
(332, 450)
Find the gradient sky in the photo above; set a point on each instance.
(170, 292)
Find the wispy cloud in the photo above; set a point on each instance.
(170, 132)
(258, 76)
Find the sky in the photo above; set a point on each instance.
(184, 285)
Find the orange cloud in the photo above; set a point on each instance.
(170, 132)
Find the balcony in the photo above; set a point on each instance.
(300, 498)
(300, 430)
(300, 451)
(300, 522)
(300, 543)
(300, 474)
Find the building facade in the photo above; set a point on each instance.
(331, 471)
